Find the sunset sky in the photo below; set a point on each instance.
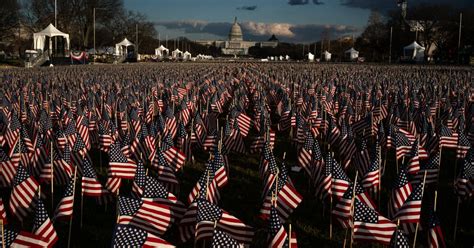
(289, 20)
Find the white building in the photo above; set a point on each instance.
(236, 45)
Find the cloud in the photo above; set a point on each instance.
(303, 2)
(298, 2)
(386, 5)
(250, 8)
(259, 31)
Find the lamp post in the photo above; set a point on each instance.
(95, 51)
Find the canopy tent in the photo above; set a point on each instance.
(327, 56)
(119, 47)
(203, 56)
(162, 51)
(287, 57)
(39, 39)
(310, 57)
(414, 52)
(186, 55)
(352, 54)
(176, 54)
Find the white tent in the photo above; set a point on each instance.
(287, 57)
(327, 55)
(176, 54)
(414, 52)
(121, 47)
(39, 39)
(310, 57)
(162, 51)
(352, 54)
(186, 55)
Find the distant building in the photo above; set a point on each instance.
(236, 45)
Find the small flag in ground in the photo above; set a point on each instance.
(129, 236)
(22, 195)
(369, 226)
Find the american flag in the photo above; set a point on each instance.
(464, 184)
(219, 168)
(431, 168)
(139, 180)
(277, 234)
(286, 195)
(147, 215)
(42, 225)
(166, 174)
(463, 145)
(403, 146)
(3, 214)
(208, 215)
(120, 165)
(105, 135)
(340, 181)
(23, 193)
(154, 191)
(171, 123)
(130, 236)
(206, 187)
(399, 240)
(447, 138)
(413, 166)
(65, 208)
(176, 159)
(401, 190)
(342, 209)
(268, 168)
(244, 124)
(304, 156)
(435, 233)
(323, 181)
(13, 130)
(371, 179)
(221, 239)
(8, 169)
(89, 182)
(63, 168)
(13, 238)
(409, 213)
(362, 158)
(369, 226)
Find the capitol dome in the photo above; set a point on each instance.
(235, 32)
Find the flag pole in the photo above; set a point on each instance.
(52, 177)
(82, 205)
(289, 236)
(456, 220)
(3, 233)
(70, 220)
(352, 206)
(418, 223)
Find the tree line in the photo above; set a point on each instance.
(20, 18)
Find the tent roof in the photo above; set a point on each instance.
(51, 31)
(414, 45)
(326, 52)
(125, 42)
(352, 50)
(187, 53)
(162, 48)
(177, 50)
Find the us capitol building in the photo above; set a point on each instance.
(236, 45)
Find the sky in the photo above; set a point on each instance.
(289, 20)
